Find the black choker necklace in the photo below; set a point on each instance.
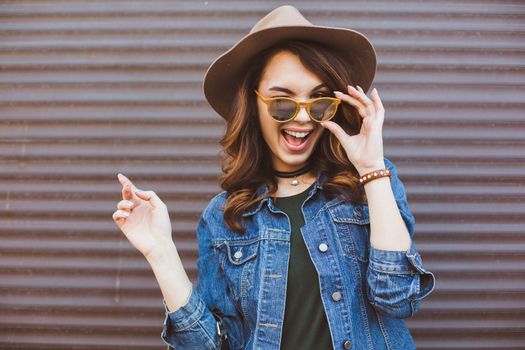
(293, 174)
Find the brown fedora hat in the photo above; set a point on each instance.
(285, 22)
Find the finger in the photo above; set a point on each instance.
(125, 181)
(336, 130)
(120, 215)
(151, 197)
(377, 100)
(370, 106)
(127, 188)
(125, 205)
(361, 108)
(360, 95)
(127, 192)
(360, 89)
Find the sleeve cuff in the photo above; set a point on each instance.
(402, 262)
(185, 316)
(392, 261)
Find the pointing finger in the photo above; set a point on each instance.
(127, 187)
(123, 179)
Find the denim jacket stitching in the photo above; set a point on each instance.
(364, 300)
(383, 330)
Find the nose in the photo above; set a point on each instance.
(302, 115)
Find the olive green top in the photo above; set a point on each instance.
(305, 324)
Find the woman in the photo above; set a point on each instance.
(309, 246)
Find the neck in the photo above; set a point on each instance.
(285, 188)
(295, 173)
(306, 178)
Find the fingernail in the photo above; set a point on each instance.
(126, 214)
(129, 203)
(337, 92)
(139, 191)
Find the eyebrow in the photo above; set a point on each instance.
(278, 88)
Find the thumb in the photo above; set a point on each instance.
(151, 197)
(337, 130)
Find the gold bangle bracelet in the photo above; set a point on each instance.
(376, 174)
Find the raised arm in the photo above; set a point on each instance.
(144, 220)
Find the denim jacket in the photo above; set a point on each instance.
(366, 292)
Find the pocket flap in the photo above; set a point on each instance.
(240, 251)
(350, 213)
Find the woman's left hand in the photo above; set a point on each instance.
(364, 150)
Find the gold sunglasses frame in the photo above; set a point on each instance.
(298, 105)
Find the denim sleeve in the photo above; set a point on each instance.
(397, 280)
(193, 326)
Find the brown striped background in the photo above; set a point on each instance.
(92, 88)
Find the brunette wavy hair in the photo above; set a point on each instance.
(246, 160)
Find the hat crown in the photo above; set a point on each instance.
(282, 16)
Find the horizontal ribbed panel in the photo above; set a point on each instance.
(92, 88)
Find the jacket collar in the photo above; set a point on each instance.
(263, 189)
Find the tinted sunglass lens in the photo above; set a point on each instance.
(282, 109)
(323, 109)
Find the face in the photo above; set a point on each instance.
(290, 143)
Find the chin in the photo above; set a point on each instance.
(295, 160)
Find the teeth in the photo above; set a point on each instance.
(299, 135)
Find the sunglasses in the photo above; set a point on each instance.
(284, 109)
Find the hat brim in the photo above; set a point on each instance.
(221, 78)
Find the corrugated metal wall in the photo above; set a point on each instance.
(93, 88)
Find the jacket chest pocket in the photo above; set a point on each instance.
(238, 260)
(352, 226)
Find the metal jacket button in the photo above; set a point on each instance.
(348, 344)
(237, 255)
(323, 247)
(336, 296)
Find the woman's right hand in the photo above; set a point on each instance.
(143, 218)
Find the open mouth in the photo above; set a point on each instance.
(296, 138)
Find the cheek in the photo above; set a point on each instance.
(318, 136)
(269, 129)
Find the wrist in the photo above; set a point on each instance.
(161, 253)
(369, 168)
(375, 175)
(376, 183)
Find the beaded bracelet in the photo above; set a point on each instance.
(376, 174)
